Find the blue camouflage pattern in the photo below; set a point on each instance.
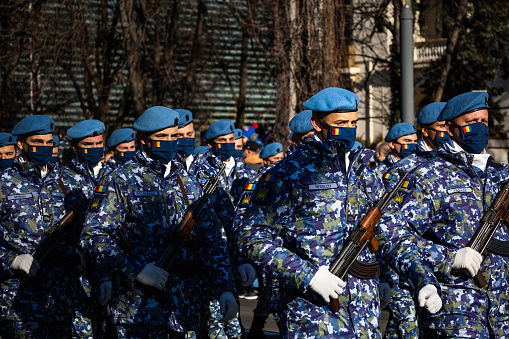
(129, 223)
(303, 200)
(445, 202)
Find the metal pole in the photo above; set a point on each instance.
(406, 19)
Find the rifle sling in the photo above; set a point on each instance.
(362, 270)
(183, 189)
(499, 247)
(62, 186)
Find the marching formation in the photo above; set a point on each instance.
(160, 242)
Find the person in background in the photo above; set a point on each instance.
(122, 145)
(239, 144)
(272, 153)
(54, 158)
(301, 127)
(8, 151)
(251, 156)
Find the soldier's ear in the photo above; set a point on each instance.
(424, 131)
(315, 122)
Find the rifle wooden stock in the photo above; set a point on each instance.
(362, 236)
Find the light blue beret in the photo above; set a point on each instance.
(34, 124)
(270, 150)
(7, 139)
(219, 128)
(333, 100)
(156, 118)
(399, 130)
(301, 123)
(237, 133)
(201, 150)
(56, 141)
(464, 103)
(185, 117)
(429, 114)
(86, 128)
(120, 136)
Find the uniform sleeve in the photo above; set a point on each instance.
(405, 251)
(105, 216)
(264, 220)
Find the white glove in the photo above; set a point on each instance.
(384, 289)
(429, 299)
(326, 284)
(247, 273)
(468, 259)
(25, 263)
(105, 290)
(154, 276)
(228, 306)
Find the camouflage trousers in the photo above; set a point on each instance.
(402, 315)
(220, 330)
(39, 330)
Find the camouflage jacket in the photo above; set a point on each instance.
(29, 206)
(130, 222)
(85, 175)
(312, 202)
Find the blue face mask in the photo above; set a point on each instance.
(185, 146)
(475, 137)
(91, 156)
(224, 151)
(441, 138)
(238, 153)
(345, 135)
(53, 160)
(39, 155)
(406, 149)
(164, 150)
(125, 156)
(6, 163)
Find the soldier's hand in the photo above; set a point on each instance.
(429, 299)
(228, 306)
(469, 259)
(154, 276)
(385, 294)
(247, 273)
(26, 263)
(326, 284)
(105, 291)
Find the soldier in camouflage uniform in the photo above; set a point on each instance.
(444, 202)
(301, 127)
(239, 145)
(123, 145)
(312, 199)
(130, 222)
(8, 150)
(402, 139)
(402, 312)
(37, 298)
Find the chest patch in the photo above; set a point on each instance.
(19, 196)
(324, 186)
(246, 199)
(95, 203)
(460, 190)
(146, 193)
(261, 195)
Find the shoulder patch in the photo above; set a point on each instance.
(387, 176)
(261, 195)
(95, 203)
(246, 199)
(267, 178)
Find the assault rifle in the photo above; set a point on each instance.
(184, 231)
(361, 236)
(482, 239)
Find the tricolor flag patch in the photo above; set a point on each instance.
(218, 146)
(267, 178)
(336, 131)
(467, 129)
(33, 149)
(250, 187)
(157, 144)
(387, 176)
(85, 151)
(405, 146)
(121, 154)
(407, 185)
(100, 189)
(441, 134)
